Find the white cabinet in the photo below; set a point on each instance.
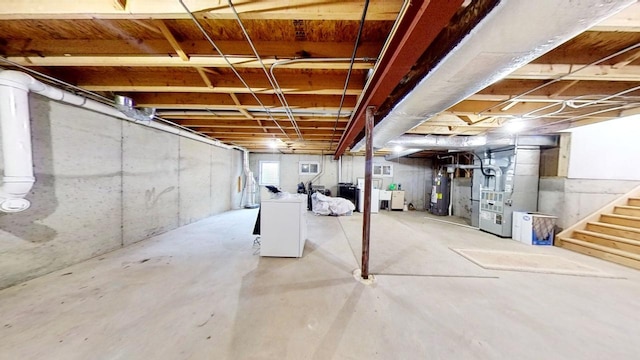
(283, 226)
(397, 200)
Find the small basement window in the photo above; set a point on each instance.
(309, 168)
(270, 173)
(383, 170)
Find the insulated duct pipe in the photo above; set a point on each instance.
(16, 132)
(125, 105)
(510, 36)
(442, 142)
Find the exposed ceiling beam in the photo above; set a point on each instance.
(259, 137)
(120, 4)
(627, 59)
(181, 61)
(205, 77)
(122, 87)
(272, 130)
(240, 109)
(95, 47)
(493, 108)
(509, 88)
(624, 21)
(171, 39)
(147, 25)
(309, 125)
(169, 100)
(564, 88)
(165, 80)
(205, 119)
(246, 113)
(171, 9)
(580, 72)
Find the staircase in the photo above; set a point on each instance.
(611, 233)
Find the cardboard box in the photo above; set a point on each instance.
(533, 228)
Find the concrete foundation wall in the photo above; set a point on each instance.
(413, 174)
(574, 199)
(103, 183)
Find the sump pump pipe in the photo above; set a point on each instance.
(16, 132)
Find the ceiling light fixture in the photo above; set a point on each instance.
(514, 125)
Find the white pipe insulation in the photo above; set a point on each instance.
(16, 133)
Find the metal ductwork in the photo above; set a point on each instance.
(510, 36)
(126, 106)
(470, 143)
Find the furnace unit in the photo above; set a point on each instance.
(511, 185)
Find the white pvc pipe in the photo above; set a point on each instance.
(16, 132)
(16, 144)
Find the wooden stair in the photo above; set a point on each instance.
(612, 233)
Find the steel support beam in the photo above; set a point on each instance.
(419, 26)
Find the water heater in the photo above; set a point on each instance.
(439, 204)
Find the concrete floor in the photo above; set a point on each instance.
(198, 292)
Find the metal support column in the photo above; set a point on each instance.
(368, 172)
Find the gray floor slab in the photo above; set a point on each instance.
(198, 292)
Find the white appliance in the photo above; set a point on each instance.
(397, 200)
(385, 195)
(375, 198)
(283, 226)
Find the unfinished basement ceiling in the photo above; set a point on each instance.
(153, 52)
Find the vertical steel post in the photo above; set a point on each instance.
(368, 172)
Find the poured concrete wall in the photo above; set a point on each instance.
(103, 183)
(148, 164)
(571, 200)
(414, 174)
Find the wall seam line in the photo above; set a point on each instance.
(211, 181)
(179, 187)
(122, 184)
